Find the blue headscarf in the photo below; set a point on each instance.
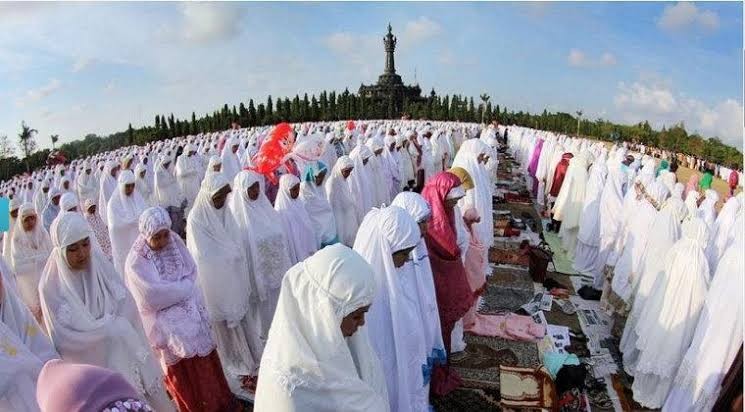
(313, 169)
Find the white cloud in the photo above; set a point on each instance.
(35, 95)
(658, 103)
(208, 22)
(685, 15)
(80, 64)
(446, 57)
(578, 58)
(420, 29)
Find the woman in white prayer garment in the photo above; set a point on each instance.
(568, 206)
(313, 194)
(41, 197)
(664, 232)
(707, 211)
(189, 174)
(472, 157)
(123, 211)
(417, 207)
(318, 356)
(717, 338)
(668, 323)
(385, 239)
(87, 183)
(629, 263)
(214, 165)
(231, 164)
(379, 174)
(90, 315)
(587, 257)
(724, 231)
(611, 210)
(265, 244)
(142, 183)
(342, 201)
(361, 181)
(30, 250)
(211, 235)
(108, 185)
(14, 207)
(302, 239)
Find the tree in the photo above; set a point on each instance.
(27, 142)
(55, 139)
(130, 134)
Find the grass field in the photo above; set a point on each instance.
(719, 185)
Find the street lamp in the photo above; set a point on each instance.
(484, 99)
(579, 115)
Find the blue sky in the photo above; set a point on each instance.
(77, 68)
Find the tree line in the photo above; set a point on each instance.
(333, 106)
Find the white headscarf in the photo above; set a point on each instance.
(211, 236)
(707, 210)
(480, 196)
(418, 208)
(724, 230)
(124, 214)
(317, 204)
(106, 190)
(300, 233)
(29, 253)
(87, 184)
(360, 181)
(342, 201)
(167, 192)
(308, 364)
(611, 211)
(230, 162)
(143, 184)
(394, 317)
(263, 238)
(90, 315)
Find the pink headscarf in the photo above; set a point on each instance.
(441, 229)
(69, 387)
(692, 183)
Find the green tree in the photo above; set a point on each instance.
(27, 143)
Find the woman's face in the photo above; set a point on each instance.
(66, 185)
(346, 172)
(450, 203)
(29, 223)
(253, 191)
(159, 240)
(129, 189)
(79, 254)
(55, 200)
(142, 174)
(114, 171)
(353, 321)
(219, 198)
(295, 191)
(14, 213)
(320, 177)
(92, 210)
(216, 168)
(364, 161)
(400, 257)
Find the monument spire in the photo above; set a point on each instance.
(389, 41)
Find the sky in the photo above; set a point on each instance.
(77, 68)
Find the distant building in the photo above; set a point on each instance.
(390, 89)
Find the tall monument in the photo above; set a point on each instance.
(390, 87)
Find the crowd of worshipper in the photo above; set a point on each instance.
(335, 266)
(732, 174)
(663, 260)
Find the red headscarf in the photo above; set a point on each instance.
(441, 229)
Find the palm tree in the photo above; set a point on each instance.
(27, 142)
(484, 99)
(55, 138)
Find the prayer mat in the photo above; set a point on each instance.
(509, 256)
(467, 399)
(506, 290)
(562, 262)
(526, 388)
(479, 364)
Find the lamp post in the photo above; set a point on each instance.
(484, 99)
(579, 115)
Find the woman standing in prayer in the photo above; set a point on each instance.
(313, 194)
(692, 185)
(342, 201)
(385, 239)
(108, 186)
(162, 277)
(71, 387)
(29, 252)
(417, 207)
(142, 183)
(90, 315)
(717, 339)
(568, 206)
(15, 204)
(87, 184)
(214, 165)
(587, 257)
(318, 356)
(707, 210)
(298, 227)
(68, 202)
(668, 323)
(41, 197)
(52, 208)
(189, 173)
(454, 296)
(724, 230)
(361, 181)
(231, 165)
(98, 227)
(265, 242)
(211, 234)
(168, 195)
(124, 209)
